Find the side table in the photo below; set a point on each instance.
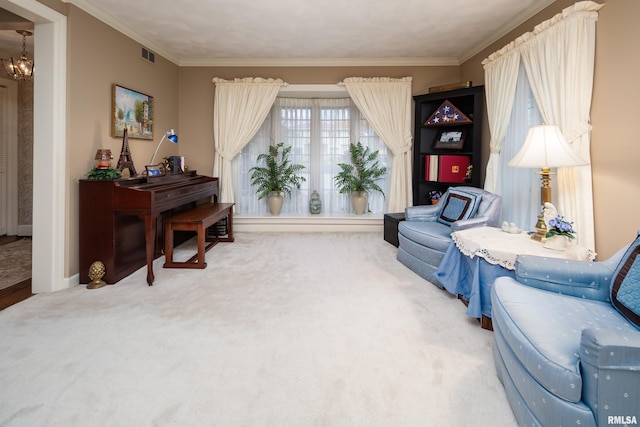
(480, 255)
(391, 221)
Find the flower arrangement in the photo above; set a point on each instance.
(560, 227)
(469, 174)
(435, 194)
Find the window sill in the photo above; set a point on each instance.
(308, 223)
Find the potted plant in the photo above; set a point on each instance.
(104, 173)
(559, 234)
(434, 196)
(359, 177)
(277, 176)
(468, 177)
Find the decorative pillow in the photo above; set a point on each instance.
(459, 205)
(625, 291)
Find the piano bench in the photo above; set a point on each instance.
(197, 219)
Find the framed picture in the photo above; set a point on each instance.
(131, 110)
(450, 139)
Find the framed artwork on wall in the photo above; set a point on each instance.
(131, 110)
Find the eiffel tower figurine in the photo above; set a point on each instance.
(125, 161)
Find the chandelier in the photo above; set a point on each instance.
(21, 69)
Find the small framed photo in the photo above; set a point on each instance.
(450, 139)
(131, 110)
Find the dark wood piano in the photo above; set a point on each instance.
(121, 220)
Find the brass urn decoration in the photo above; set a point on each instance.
(96, 272)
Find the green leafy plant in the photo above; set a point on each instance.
(108, 173)
(362, 173)
(277, 174)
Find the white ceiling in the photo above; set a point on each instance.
(304, 32)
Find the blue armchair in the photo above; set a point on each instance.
(425, 234)
(567, 339)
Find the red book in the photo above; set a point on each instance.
(453, 168)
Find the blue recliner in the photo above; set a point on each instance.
(567, 340)
(425, 234)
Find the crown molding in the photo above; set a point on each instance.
(319, 62)
(105, 17)
(520, 19)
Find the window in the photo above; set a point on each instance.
(319, 130)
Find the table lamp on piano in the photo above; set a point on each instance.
(153, 169)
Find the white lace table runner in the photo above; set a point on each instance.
(501, 248)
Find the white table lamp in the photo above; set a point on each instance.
(545, 147)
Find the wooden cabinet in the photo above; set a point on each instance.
(116, 240)
(448, 143)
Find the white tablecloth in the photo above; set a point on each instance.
(501, 248)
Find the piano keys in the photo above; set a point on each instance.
(119, 219)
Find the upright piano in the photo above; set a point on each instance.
(121, 220)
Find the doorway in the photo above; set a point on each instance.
(8, 157)
(49, 140)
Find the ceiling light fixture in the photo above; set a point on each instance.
(21, 69)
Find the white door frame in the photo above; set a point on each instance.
(49, 143)
(12, 156)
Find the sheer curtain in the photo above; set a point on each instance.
(386, 103)
(522, 185)
(319, 130)
(240, 107)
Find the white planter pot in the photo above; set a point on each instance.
(359, 201)
(275, 200)
(557, 243)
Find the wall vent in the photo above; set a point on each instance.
(148, 56)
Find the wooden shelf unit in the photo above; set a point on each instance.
(470, 101)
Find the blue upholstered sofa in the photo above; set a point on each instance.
(425, 234)
(567, 340)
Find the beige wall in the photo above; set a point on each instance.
(99, 56)
(615, 147)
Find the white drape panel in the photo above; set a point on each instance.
(386, 103)
(559, 58)
(240, 107)
(501, 74)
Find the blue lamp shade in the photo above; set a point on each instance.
(171, 136)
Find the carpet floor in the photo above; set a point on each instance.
(15, 262)
(314, 329)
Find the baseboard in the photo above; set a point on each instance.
(309, 223)
(25, 230)
(72, 281)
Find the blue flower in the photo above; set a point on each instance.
(559, 226)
